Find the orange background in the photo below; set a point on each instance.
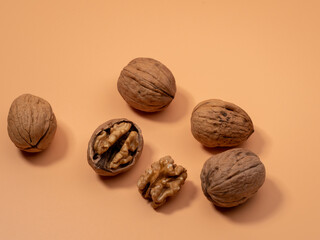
(261, 55)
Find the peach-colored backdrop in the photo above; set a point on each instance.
(261, 55)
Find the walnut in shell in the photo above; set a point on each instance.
(232, 177)
(164, 179)
(31, 123)
(114, 147)
(216, 123)
(147, 85)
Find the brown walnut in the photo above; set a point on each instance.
(232, 177)
(216, 123)
(31, 123)
(164, 179)
(147, 85)
(114, 147)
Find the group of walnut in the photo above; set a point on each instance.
(228, 179)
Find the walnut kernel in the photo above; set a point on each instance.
(114, 147)
(164, 179)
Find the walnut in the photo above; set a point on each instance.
(164, 179)
(232, 177)
(147, 85)
(31, 123)
(114, 147)
(216, 123)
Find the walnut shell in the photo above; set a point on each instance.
(147, 85)
(163, 180)
(114, 147)
(216, 123)
(31, 123)
(232, 177)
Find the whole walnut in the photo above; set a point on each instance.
(232, 177)
(114, 147)
(147, 85)
(31, 123)
(216, 123)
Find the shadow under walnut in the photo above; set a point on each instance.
(182, 200)
(260, 207)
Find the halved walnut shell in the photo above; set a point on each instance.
(114, 147)
(164, 179)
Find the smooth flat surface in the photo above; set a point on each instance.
(261, 55)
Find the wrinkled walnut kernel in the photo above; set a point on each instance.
(164, 179)
(123, 156)
(114, 147)
(104, 141)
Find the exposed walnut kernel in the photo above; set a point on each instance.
(164, 179)
(122, 157)
(114, 147)
(104, 141)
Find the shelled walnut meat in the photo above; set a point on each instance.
(232, 177)
(164, 179)
(114, 147)
(31, 123)
(147, 85)
(216, 123)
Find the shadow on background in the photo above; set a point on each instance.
(216, 150)
(182, 200)
(176, 110)
(55, 152)
(263, 205)
(258, 142)
(130, 177)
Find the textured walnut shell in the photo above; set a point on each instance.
(163, 180)
(31, 123)
(147, 85)
(102, 162)
(216, 123)
(232, 177)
